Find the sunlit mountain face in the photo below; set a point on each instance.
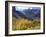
(26, 12)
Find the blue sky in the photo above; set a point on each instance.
(22, 8)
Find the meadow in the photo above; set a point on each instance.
(25, 24)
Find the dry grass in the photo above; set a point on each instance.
(24, 24)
